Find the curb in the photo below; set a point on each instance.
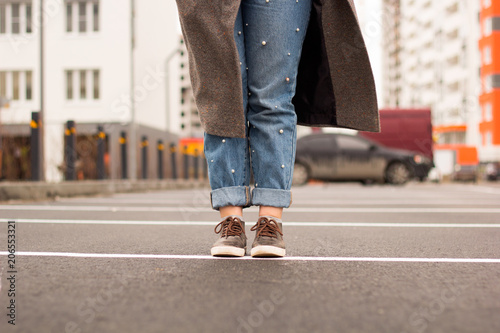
(34, 191)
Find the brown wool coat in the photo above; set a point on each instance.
(335, 85)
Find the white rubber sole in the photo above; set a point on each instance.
(267, 251)
(228, 251)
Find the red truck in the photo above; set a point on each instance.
(409, 129)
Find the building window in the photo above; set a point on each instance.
(16, 22)
(452, 35)
(488, 139)
(3, 84)
(15, 85)
(82, 16)
(487, 26)
(16, 17)
(453, 61)
(487, 55)
(452, 9)
(95, 7)
(488, 85)
(96, 83)
(29, 85)
(87, 15)
(20, 87)
(69, 85)
(29, 15)
(83, 84)
(2, 19)
(488, 112)
(69, 17)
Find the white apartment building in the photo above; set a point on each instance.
(391, 49)
(105, 63)
(189, 120)
(434, 61)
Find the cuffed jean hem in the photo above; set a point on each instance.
(271, 197)
(230, 196)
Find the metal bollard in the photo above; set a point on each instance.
(101, 136)
(70, 149)
(123, 153)
(144, 156)
(186, 163)
(161, 147)
(174, 162)
(35, 146)
(196, 159)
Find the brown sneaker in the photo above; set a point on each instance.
(268, 238)
(233, 240)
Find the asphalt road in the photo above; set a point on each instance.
(417, 258)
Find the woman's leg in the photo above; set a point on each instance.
(274, 32)
(228, 158)
(229, 174)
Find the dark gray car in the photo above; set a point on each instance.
(341, 157)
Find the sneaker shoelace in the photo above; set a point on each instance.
(229, 227)
(266, 227)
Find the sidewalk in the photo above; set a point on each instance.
(41, 191)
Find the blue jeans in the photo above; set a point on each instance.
(269, 37)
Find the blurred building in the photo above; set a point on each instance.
(489, 45)
(432, 59)
(391, 48)
(104, 64)
(189, 120)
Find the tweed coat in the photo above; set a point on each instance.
(335, 85)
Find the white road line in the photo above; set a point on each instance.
(482, 189)
(289, 210)
(354, 201)
(205, 257)
(288, 224)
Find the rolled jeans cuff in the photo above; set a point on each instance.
(230, 196)
(271, 197)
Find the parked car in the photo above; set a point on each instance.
(465, 173)
(466, 163)
(493, 171)
(341, 157)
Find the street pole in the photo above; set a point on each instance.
(133, 129)
(42, 101)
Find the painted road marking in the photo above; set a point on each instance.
(352, 202)
(482, 189)
(205, 257)
(288, 224)
(457, 210)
